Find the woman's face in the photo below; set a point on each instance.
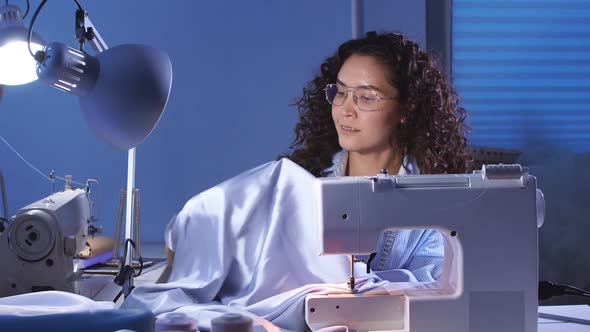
(365, 131)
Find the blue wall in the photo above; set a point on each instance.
(238, 65)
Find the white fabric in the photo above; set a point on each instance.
(249, 245)
(49, 302)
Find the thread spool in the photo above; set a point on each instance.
(176, 322)
(231, 322)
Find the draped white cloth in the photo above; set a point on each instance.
(249, 245)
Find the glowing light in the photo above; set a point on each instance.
(17, 66)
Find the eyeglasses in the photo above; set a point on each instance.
(364, 98)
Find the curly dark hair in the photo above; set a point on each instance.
(433, 131)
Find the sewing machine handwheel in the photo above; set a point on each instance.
(31, 235)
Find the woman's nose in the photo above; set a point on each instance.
(349, 107)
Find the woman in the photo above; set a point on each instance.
(391, 109)
(247, 243)
(380, 104)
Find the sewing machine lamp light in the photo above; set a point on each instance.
(122, 91)
(16, 65)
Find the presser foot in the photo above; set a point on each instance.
(351, 285)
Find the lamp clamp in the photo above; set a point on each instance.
(86, 32)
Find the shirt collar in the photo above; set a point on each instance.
(340, 160)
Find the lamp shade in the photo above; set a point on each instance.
(17, 66)
(122, 91)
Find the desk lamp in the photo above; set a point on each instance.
(122, 91)
(16, 66)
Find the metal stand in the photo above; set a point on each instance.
(4, 215)
(135, 234)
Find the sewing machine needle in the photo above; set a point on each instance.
(351, 280)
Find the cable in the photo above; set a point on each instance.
(2, 222)
(120, 279)
(140, 259)
(23, 159)
(37, 11)
(118, 296)
(575, 289)
(127, 272)
(548, 289)
(581, 294)
(72, 181)
(33, 167)
(27, 10)
(78, 4)
(97, 216)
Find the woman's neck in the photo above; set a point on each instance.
(371, 164)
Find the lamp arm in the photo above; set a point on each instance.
(87, 32)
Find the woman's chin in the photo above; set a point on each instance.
(349, 145)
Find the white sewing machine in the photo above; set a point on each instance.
(489, 222)
(38, 246)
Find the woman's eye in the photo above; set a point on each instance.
(368, 98)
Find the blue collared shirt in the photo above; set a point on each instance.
(402, 255)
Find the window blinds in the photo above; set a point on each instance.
(522, 69)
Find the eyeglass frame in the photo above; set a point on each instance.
(354, 97)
